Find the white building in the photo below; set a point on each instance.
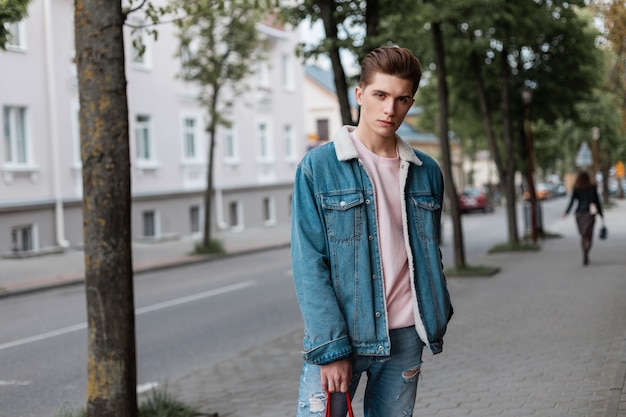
(40, 166)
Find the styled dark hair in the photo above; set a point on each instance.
(583, 181)
(391, 60)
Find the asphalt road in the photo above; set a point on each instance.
(187, 318)
(481, 231)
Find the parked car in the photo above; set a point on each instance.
(543, 191)
(560, 190)
(475, 199)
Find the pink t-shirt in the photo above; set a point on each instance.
(384, 173)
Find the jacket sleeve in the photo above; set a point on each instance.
(326, 336)
(596, 199)
(571, 202)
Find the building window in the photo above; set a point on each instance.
(263, 74)
(287, 73)
(144, 141)
(264, 142)
(15, 138)
(269, 211)
(235, 215)
(16, 39)
(290, 143)
(149, 223)
(194, 219)
(185, 59)
(231, 147)
(190, 138)
(22, 239)
(322, 130)
(140, 44)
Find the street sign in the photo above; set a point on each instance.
(583, 157)
(619, 169)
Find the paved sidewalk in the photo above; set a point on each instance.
(544, 337)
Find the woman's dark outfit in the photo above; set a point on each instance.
(584, 219)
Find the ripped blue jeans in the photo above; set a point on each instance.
(391, 381)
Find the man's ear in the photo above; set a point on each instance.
(359, 95)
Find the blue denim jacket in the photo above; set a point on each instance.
(336, 257)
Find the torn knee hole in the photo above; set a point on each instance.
(411, 373)
(317, 402)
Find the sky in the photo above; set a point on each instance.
(311, 34)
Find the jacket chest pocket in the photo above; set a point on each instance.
(344, 215)
(426, 212)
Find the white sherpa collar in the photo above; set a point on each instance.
(346, 150)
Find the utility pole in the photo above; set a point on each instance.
(595, 136)
(527, 98)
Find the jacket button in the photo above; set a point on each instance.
(342, 204)
(367, 201)
(370, 237)
(377, 314)
(374, 276)
(380, 348)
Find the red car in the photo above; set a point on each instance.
(475, 199)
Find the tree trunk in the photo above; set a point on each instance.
(341, 85)
(487, 118)
(372, 25)
(442, 91)
(508, 179)
(208, 193)
(111, 367)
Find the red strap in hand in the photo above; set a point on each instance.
(350, 413)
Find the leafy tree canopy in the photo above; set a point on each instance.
(11, 11)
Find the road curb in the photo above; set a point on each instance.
(52, 283)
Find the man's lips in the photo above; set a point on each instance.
(388, 123)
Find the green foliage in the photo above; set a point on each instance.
(516, 247)
(550, 48)
(219, 47)
(152, 16)
(350, 15)
(64, 412)
(158, 403)
(472, 271)
(11, 11)
(215, 247)
(601, 111)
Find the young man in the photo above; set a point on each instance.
(365, 252)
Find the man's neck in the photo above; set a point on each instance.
(381, 146)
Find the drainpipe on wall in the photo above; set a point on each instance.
(54, 129)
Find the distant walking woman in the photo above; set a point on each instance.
(588, 206)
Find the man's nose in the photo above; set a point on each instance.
(390, 107)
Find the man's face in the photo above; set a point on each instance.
(384, 104)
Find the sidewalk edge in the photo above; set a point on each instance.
(74, 280)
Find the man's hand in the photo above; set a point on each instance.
(336, 376)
